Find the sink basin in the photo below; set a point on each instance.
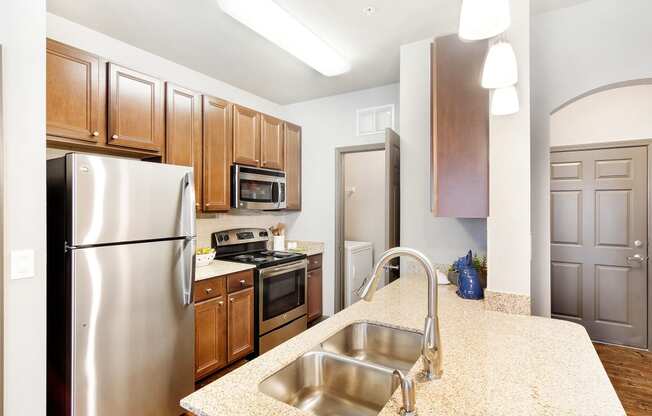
(327, 384)
(391, 347)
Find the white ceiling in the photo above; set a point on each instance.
(196, 34)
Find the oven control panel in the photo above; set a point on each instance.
(239, 236)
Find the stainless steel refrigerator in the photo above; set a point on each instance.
(120, 325)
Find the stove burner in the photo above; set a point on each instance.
(245, 257)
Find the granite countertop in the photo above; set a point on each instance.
(494, 363)
(220, 268)
(309, 248)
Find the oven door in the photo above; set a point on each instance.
(258, 188)
(282, 295)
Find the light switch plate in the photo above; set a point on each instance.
(22, 264)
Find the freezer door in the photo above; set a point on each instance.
(117, 200)
(133, 333)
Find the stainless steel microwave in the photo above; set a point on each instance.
(255, 188)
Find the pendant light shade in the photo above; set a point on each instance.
(483, 19)
(504, 101)
(500, 68)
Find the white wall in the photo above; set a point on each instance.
(364, 202)
(327, 123)
(22, 33)
(575, 50)
(508, 225)
(623, 113)
(443, 240)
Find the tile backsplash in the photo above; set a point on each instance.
(209, 223)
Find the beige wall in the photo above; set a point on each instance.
(22, 34)
(623, 113)
(365, 207)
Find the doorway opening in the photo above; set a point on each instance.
(367, 213)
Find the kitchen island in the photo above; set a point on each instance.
(494, 363)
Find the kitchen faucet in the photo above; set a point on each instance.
(431, 347)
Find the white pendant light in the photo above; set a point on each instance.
(504, 101)
(269, 20)
(500, 68)
(483, 19)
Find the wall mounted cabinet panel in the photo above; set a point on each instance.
(218, 141)
(136, 106)
(460, 129)
(293, 166)
(75, 95)
(183, 132)
(246, 136)
(272, 143)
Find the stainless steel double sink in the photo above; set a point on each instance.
(350, 373)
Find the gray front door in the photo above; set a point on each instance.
(598, 207)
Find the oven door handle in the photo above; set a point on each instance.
(275, 271)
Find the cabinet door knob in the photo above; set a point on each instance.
(96, 133)
(209, 290)
(243, 282)
(114, 137)
(220, 303)
(231, 300)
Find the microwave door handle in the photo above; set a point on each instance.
(275, 193)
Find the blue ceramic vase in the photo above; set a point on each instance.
(469, 284)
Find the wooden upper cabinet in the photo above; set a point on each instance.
(241, 324)
(75, 94)
(218, 141)
(293, 166)
(246, 136)
(136, 106)
(183, 132)
(210, 336)
(272, 143)
(460, 129)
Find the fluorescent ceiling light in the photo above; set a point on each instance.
(500, 68)
(504, 101)
(483, 19)
(266, 18)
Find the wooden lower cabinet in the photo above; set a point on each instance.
(241, 324)
(210, 336)
(224, 323)
(314, 287)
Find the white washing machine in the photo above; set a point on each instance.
(359, 261)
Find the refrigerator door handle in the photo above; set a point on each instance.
(188, 205)
(188, 270)
(189, 246)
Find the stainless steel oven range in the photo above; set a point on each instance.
(280, 284)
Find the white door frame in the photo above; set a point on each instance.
(620, 144)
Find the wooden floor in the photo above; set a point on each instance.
(630, 372)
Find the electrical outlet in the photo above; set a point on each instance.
(22, 264)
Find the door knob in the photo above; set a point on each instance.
(637, 258)
(638, 243)
(114, 137)
(96, 133)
